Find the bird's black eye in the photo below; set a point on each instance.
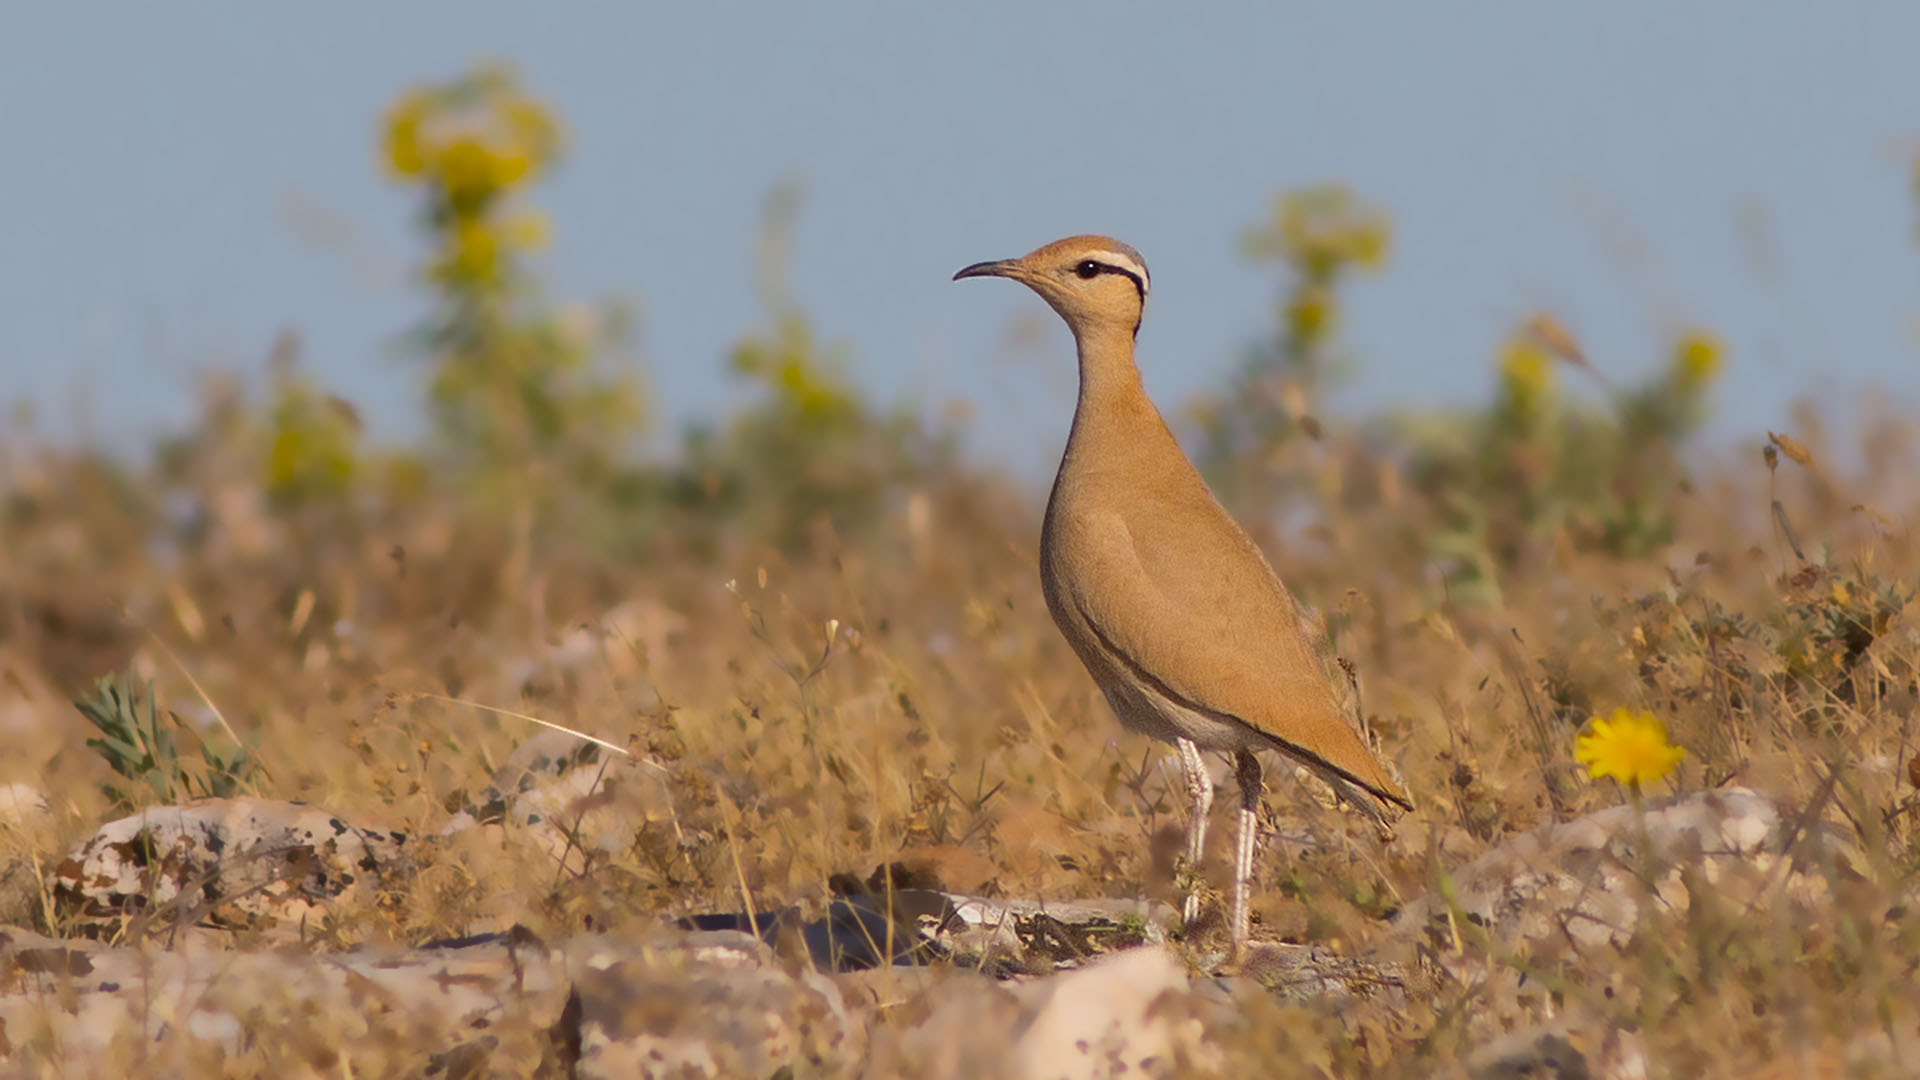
(1088, 270)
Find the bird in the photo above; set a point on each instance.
(1168, 603)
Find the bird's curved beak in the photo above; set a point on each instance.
(1007, 268)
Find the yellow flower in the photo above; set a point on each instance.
(510, 164)
(470, 146)
(1367, 244)
(1309, 313)
(1526, 375)
(464, 167)
(1697, 358)
(1322, 230)
(406, 155)
(1630, 745)
(472, 251)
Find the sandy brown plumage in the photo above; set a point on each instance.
(1173, 609)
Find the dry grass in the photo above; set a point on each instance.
(824, 709)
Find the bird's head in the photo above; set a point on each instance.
(1096, 283)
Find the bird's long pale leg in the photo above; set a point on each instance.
(1247, 770)
(1200, 796)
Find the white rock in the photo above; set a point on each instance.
(1128, 1014)
(1109, 1018)
(1583, 879)
(229, 863)
(709, 1007)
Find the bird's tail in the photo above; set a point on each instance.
(1344, 678)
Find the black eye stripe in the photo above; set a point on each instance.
(1088, 269)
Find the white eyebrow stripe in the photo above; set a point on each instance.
(1124, 262)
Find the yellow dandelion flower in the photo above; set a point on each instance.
(1630, 745)
(1697, 358)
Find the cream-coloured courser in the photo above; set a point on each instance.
(1172, 608)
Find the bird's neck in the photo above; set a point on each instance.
(1107, 371)
(1113, 420)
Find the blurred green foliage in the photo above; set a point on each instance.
(313, 452)
(1322, 236)
(536, 421)
(1498, 571)
(525, 408)
(810, 445)
(1523, 480)
(1539, 475)
(535, 418)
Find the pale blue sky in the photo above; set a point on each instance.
(180, 181)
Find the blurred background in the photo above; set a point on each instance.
(376, 381)
(185, 185)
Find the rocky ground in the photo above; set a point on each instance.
(194, 954)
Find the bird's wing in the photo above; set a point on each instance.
(1190, 606)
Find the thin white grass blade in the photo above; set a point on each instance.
(523, 716)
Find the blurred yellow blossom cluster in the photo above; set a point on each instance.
(522, 391)
(1629, 745)
(788, 361)
(812, 447)
(471, 144)
(1527, 359)
(785, 358)
(1526, 378)
(1322, 233)
(1698, 357)
(312, 452)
